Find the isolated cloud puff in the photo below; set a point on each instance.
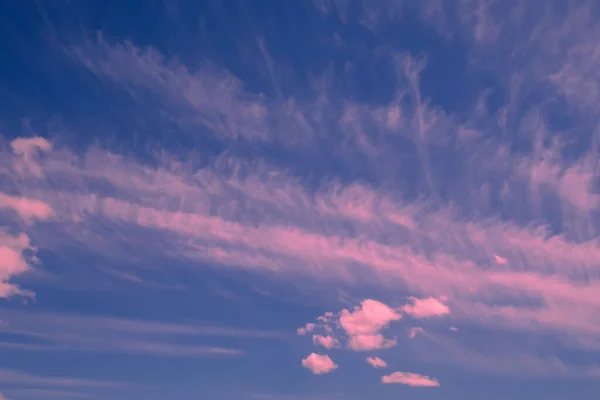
(319, 364)
(410, 379)
(364, 323)
(329, 342)
(376, 362)
(426, 308)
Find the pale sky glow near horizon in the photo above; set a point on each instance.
(300, 200)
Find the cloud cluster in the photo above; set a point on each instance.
(360, 329)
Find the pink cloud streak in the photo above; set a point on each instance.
(410, 379)
(376, 362)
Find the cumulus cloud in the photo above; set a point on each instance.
(329, 342)
(426, 308)
(319, 364)
(364, 323)
(410, 379)
(376, 362)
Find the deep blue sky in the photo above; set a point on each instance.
(185, 185)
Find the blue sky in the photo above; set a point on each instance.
(300, 200)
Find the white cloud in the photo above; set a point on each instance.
(319, 364)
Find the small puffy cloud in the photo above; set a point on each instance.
(364, 323)
(329, 342)
(410, 379)
(413, 332)
(376, 362)
(319, 364)
(453, 329)
(27, 209)
(426, 308)
(305, 329)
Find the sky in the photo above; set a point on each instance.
(300, 200)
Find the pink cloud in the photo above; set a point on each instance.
(500, 260)
(413, 332)
(376, 362)
(326, 317)
(329, 342)
(369, 317)
(27, 209)
(426, 308)
(13, 262)
(260, 240)
(410, 379)
(305, 329)
(364, 323)
(319, 364)
(26, 150)
(370, 341)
